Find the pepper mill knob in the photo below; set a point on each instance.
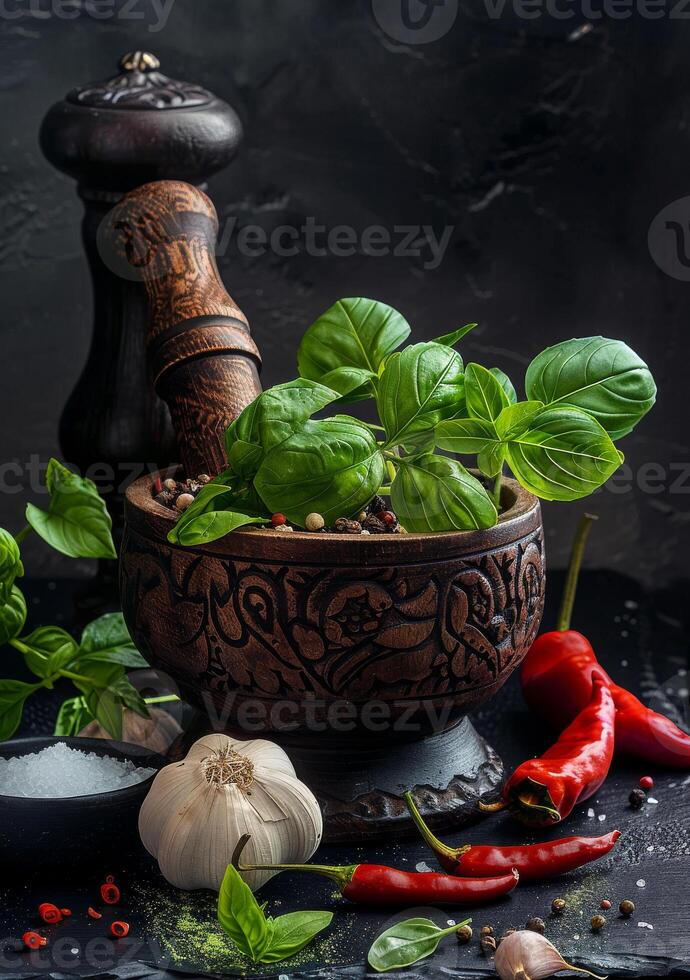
(139, 61)
(200, 354)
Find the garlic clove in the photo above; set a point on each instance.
(527, 955)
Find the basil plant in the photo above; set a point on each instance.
(435, 411)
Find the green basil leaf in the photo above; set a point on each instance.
(77, 523)
(106, 707)
(72, 717)
(484, 394)
(353, 384)
(219, 495)
(490, 460)
(11, 566)
(13, 694)
(209, 527)
(353, 333)
(419, 387)
(333, 467)
(126, 692)
(451, 339)
(270, 419)
(516, 419)
(48, 649)
(241, 917)
(12, 615)
(406, 943)
(107, 639)
(466, 436)
(565, 454)
(434, 493)
(292, 932)
(602, 377)
(505, 383)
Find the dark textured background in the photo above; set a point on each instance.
(549, 156)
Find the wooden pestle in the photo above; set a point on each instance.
(201, 357)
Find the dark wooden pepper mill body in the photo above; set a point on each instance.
(113, 136)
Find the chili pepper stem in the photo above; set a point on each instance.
(430, 838)
(492, 807)
(565, 611)
(342, 876)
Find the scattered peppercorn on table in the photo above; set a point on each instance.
(625, 914)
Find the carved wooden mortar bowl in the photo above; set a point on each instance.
(362, 654)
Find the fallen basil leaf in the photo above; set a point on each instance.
(76, 523)
(602, 377)
(434, 493)
(408, 942)
(210, 527)
(241, 917)
(356, 332)
(292, 932)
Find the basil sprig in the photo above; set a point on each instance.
(76, 523)
(408, 942)
(558, 443)
(259, 936)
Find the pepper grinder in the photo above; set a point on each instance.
(113, 136)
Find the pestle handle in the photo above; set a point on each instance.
(201, 357)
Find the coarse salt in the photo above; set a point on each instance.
(59, 772)
(640, 882)
(590, 813)
(422, 866)
(650, 799)
(601, 817)
(645, 925)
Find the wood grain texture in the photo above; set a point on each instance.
(201, 357)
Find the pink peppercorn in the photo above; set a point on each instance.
(278, 519)
(646, 782)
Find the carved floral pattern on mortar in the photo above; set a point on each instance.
(427, 631)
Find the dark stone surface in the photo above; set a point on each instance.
(549, 158)
(640, 638)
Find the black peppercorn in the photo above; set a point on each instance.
(558, 905)
(373, 524)
(487, 931)
(488, 944)
(535, 924)
(626, 907)
(598, 922)
(377, 504)
(345, 526)
(464, 934)
(637, 798)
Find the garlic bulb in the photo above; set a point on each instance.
(197, 810)
(156, 733)
(527, 955)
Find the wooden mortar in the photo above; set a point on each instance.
(362, 655)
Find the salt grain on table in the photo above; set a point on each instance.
(640, 882)
(58, 772)
(645, 925)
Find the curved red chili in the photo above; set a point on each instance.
(377, 884)
(50, 913)
(32, 940)
(557, 677)
(110, 893)
(533, 861)
(545, 790)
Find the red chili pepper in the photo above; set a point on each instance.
(157, 485)
(376, 884)
(110, 893)
(557, 676)
(533, 861)
(32, 940)
(545, 790)
(50, 913)
(119, 929)
(93, 914)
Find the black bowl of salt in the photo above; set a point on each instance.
(69, 802)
